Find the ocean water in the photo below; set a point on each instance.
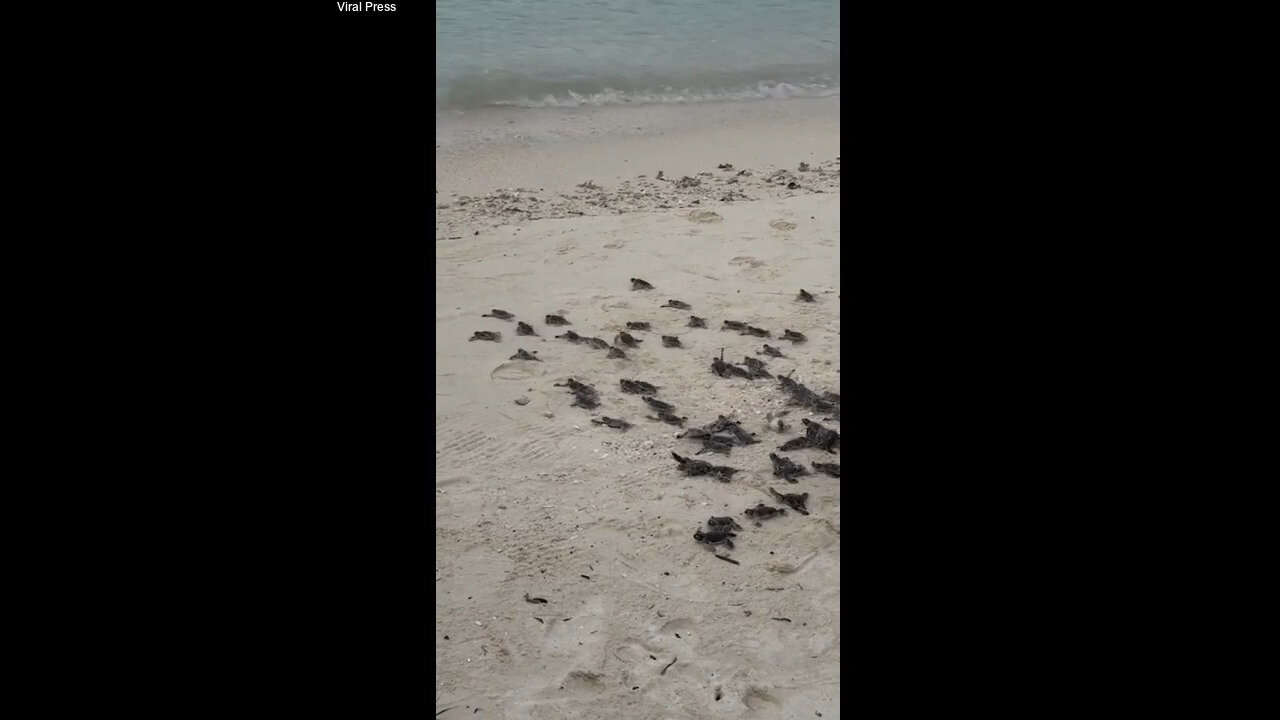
(569, 53)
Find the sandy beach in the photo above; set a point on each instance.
(553, 211)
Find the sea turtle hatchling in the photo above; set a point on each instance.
(678, 305)
(658, 404)
(740, 436)
(772, 351)
(671, 341)
(692, 466)
(832, 469)
(758, 332)
(723, 473)
(715, 537)
(585, 399)
(486, 335)
(625, 338)
(571, 336)
(763, 512)
(638, 284)
(669, 418)
(820, 437)
(734, 325)
(524, 328)
(521, 354)
(596, 343)
(793, 336)
(500, 314)
(794, 501)
(556, 320)
(637, 387)
(611, 422)
(637, 326)
(694, 434)
(616, 353)
(696, 322)
(784, 467)
(804, 296)
(719, 366)
(795, 443)
(723, 523)
(716, 444)
(756, 366)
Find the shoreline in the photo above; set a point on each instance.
(557, 148)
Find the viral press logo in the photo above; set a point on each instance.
(367, 7)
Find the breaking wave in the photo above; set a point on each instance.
(501, 88)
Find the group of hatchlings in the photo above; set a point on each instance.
(718, 436)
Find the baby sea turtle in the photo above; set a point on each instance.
(597, 343)
(611, 422)
(772, 351)
(716, 444)
(723, 523)
(723, 473)
(734, 325)
(678, 305)
(692, 467)
(756, 367)
(832, 469)
(669, 418)
(793, 336)
(500, 314)
(784, 467)
(795, 502)
(719, 366)
(557, 320)
(715, 537)
(695, 321)
(782, 427)
(721, 423)
(574, 385)
(694, 434)
(524, 328)
(638, 284)
(658, 404)
(758, 332)
(522, 355)
(616, 353)
(671, 341)
(804, 296)
(585, 399)
(637, 326)
(735, 370)
(763, 512)
(571, 336)
(820, 437)
(625, 338)
(795, 443)
(486, 335)
(742, 436)
(636, 387)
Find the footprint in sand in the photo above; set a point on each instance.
(746, 260)
(684, 626)
(704, 216)
(782, 225)
(516, 371)
(757, 698)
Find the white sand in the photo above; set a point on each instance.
(531, 497)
